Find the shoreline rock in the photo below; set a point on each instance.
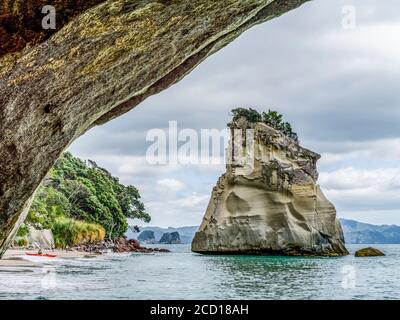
(120, 245)
(369, 252)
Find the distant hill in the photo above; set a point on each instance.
(358, 232)
(186, 233)
(354, 232)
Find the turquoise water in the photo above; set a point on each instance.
(185, 275)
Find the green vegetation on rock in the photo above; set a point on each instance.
(68, 232)
(272, 118)
(82, 202)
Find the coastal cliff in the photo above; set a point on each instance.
(268, 201)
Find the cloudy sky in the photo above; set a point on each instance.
(336, 80)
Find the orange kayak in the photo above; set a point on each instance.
(47, 255)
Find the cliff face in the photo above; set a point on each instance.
(102, 63)
(269, 203)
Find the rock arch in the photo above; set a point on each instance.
(107, 58)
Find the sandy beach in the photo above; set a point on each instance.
(18, 257)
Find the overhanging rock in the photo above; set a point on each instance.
(101, 64)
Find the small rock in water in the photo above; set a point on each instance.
(369, 252)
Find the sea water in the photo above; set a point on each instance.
(182, 274)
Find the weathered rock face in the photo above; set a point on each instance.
(101, 64)
(269, 203)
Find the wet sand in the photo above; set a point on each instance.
(18, 258)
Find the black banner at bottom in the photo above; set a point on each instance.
(200, 309)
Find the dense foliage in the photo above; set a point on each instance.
(271, 118)
(82, 199)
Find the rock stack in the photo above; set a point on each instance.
(268, 201)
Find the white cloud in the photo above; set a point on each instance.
(355, 179)
(375, 41)
(373, 216)
(367, 155)
(192, 201)
(170, 185)
(366, 193)
(182, 211)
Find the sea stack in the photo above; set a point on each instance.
(268, 201)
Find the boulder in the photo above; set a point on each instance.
(268, 201)
(369, 252)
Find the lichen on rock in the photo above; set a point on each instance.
(271, 202)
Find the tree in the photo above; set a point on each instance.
(82, 191)
(275, 120)
(250, 114)
(271, 118)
